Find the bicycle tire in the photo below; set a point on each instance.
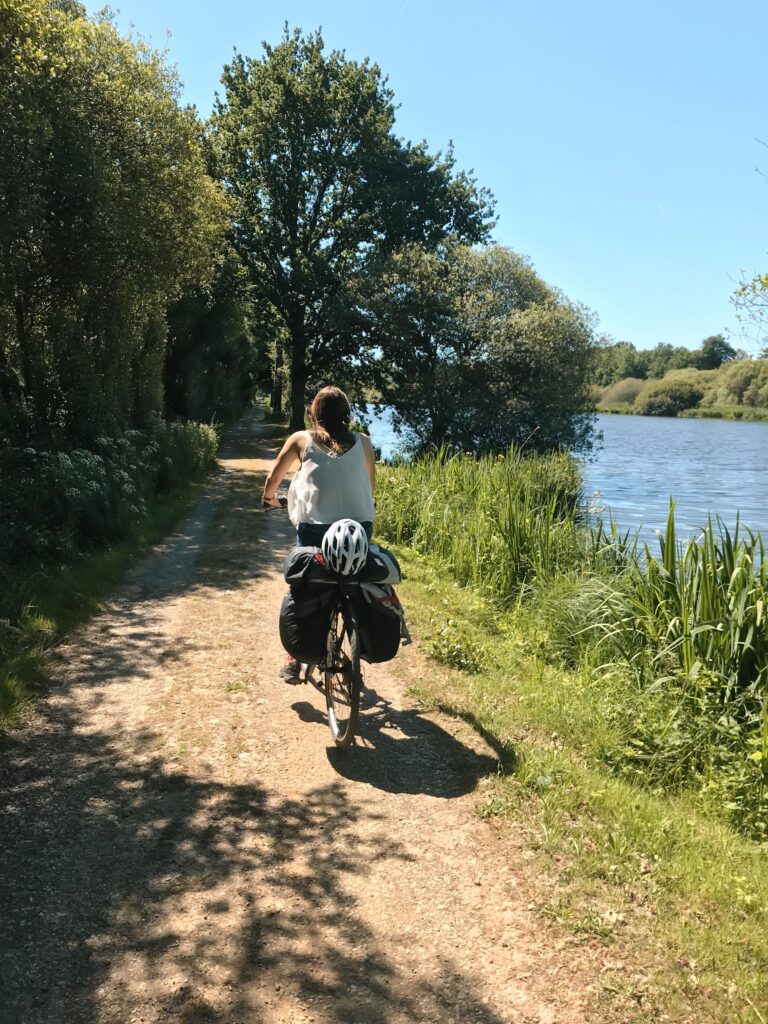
(343, 677)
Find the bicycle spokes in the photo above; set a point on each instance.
(343, 680)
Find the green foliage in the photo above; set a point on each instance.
(455, 646)
(715, 351)
(668, 398)
(106, 212)
(623, 392)
(695, 627)
(675, 647)
(304, 142)
(742, 383)
(615, 361)
(737, 389)
(730, 412)
(572, 617)
(214, 361)
(475, 352)
(55, 504)
(497, 523)
(664, 358)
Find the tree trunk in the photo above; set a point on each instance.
(277, 379)
(298, 371)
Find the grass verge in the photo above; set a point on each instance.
(677, 899)
(745, 413)
(56, 600)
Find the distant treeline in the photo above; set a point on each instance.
(737, 389)
(618, 360)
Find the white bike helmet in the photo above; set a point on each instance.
(345, 547)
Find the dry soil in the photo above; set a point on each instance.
(179, 843)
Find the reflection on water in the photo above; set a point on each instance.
(707, 466)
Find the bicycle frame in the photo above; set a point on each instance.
(342, 676)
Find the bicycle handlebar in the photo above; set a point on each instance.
(266, 507)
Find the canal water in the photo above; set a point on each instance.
(717, 467)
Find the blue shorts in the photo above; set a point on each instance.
(311, 534)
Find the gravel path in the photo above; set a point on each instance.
(178, 843)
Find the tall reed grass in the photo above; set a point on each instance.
(684, 627)
(497, 522)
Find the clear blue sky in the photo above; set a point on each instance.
(620, 140)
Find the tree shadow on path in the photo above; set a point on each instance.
(133, 889)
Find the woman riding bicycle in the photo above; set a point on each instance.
(335, 480)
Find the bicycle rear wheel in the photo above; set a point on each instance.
(343, 677)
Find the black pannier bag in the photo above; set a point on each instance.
(305, 614)
(306, 611)
(302, 565)
(304, 622)
(380, 619)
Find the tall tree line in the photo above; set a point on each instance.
(154, 264)
(108, 220)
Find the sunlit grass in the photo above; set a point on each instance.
(683, 627)
(672, 892)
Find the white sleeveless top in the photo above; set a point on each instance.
(329, 487)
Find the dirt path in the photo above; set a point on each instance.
(179, 845)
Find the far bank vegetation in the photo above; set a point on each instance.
(713, 381)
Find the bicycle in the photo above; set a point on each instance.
(341, 672)
(342, 675)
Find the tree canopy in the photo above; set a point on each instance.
(474, 351)
(616, 361)
(106, 214)
(304, 143)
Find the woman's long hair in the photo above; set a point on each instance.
(330, 413)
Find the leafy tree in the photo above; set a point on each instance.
(106, 213)
(715, 351)
(616, 360)
(304, 143)
(743, 382)
(664, 358)
(214, 358)
(476, 352)
(668, 398)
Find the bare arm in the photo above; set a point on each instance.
(292, 451)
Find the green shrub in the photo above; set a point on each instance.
(56, 503)
(743, 383)
(454, 646)
(668, 398)
(623, 391)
